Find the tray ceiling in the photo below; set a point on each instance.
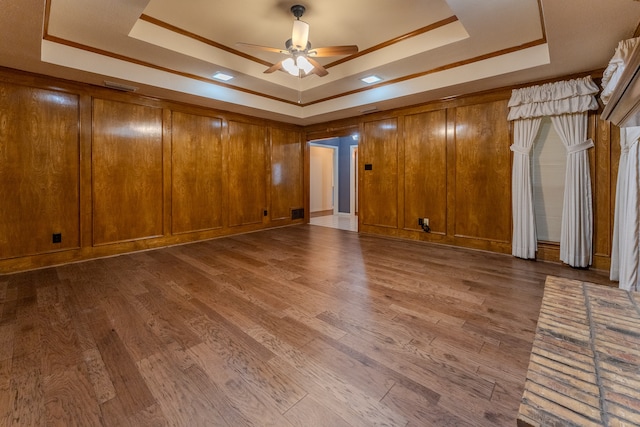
(424, 50)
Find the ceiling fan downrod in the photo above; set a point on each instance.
(298, 10)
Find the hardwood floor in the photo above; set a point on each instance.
(298, 326)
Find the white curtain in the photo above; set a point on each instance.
(617, 64)
(577, 213)
(524, 242)
(567, 103)
(625, 259)
(552, 99)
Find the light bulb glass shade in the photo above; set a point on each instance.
(290, 66)
(304, 64)
(300, 34)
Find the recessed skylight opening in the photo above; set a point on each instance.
(222, 76)
(371, 79)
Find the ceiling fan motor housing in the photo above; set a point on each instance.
(298, 10)
(289, 45)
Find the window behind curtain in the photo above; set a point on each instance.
(548, 165)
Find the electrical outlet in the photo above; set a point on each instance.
(420, 221)
(57, 238)
(425, 221)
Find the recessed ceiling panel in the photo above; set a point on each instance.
(420, 48)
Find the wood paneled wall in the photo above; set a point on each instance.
(425, 170)
(287, 173)
(39, 169)
(450, 161)
(482, 189)
(114, 172)
(379, 183)
(197, 173)
(246, 171)
(127, 172)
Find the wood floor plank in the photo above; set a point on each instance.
(181, 402)
(272, 384)
(352, 370)
(421, 411)
(8, 310)
(27, 350)
(310, 412)
(131, 391)
(320, 377)
(376, 327)
(248, 288)
(68, 395)
(314, 323)
(254, 406)
(397, 375)
(5, 392)
(167, 317)
(27, 402)
(230, 327)
(301, 326)
(441, 378)
(6, 341)
(60, 344)
(135, 334)
(98, 376)
(148, 417)
(4, 286)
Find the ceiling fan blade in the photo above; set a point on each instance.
(300, 35)
(275, 67)
(265, 48)
(334, 51)
(317, 68)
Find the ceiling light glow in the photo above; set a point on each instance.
(304, 64)
(294, 66)
(290, 66)
(222, 76)
(371, 79)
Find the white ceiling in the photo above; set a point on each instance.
(423, 49)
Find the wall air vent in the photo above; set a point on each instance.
(120, 86)
(297, 213)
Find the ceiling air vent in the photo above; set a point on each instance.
(120, 86)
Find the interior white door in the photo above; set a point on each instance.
(321, 171)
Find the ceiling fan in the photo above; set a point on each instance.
(300, 61)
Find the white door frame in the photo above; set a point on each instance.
(353, 190)
(335, 181)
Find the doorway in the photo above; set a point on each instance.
(333, 182)
(323, 170)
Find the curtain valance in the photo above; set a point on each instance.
(552, 99)
(616, 66)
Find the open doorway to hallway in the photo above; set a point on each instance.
(333, 191)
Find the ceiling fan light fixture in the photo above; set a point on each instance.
(300, 34)
(301, 61)
(304, 64)
(290, 67)
(294, 66)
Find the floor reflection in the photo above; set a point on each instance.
(342, 222)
